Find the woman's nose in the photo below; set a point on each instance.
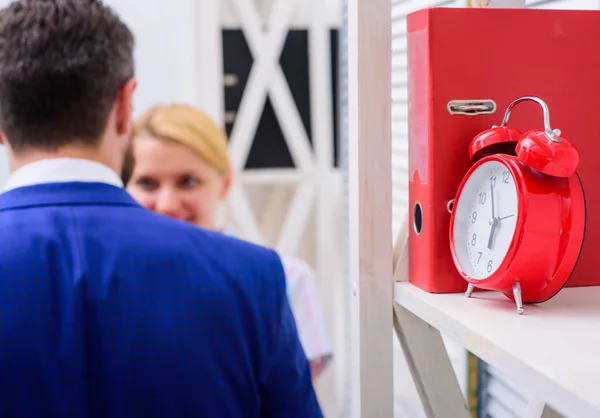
(168, 204)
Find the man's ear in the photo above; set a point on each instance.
(124, 107)
(2, 139)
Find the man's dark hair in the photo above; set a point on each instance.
(62, 63)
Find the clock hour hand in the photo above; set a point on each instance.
(494, 224)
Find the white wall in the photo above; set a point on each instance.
(301, 17)
(165, 49)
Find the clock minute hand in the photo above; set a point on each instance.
(492, 199)
(494, 223)
(493, 220)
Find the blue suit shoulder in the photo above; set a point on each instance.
(222, 253)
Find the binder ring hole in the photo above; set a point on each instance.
(418, 218)
(450, 205)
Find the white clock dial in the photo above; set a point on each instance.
(485, 219)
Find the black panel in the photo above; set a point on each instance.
(294, 63)
(269, 148)
(335, 64)
(237, 60)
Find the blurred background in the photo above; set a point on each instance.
(273, 73)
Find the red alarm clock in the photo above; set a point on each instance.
(518, 219)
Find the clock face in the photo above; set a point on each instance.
(485, 219)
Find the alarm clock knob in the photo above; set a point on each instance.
(549, 152)
(496, 140)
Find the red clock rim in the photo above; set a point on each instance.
(510, 163)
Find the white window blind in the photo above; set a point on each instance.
(563, 4)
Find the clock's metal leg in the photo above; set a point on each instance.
(470, 289)
(518, 299)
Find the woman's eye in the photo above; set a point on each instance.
(190, 181)
(146, 183)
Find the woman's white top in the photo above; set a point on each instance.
(305, 302)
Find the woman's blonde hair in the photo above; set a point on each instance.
(188, 126)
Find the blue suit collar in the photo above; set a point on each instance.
(67, 193)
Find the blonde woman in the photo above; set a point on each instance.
(179, 166)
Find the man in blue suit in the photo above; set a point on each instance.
(106, 309)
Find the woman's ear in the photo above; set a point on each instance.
(228, 180)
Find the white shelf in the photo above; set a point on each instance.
(552, 351)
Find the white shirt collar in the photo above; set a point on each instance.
(58, 170)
